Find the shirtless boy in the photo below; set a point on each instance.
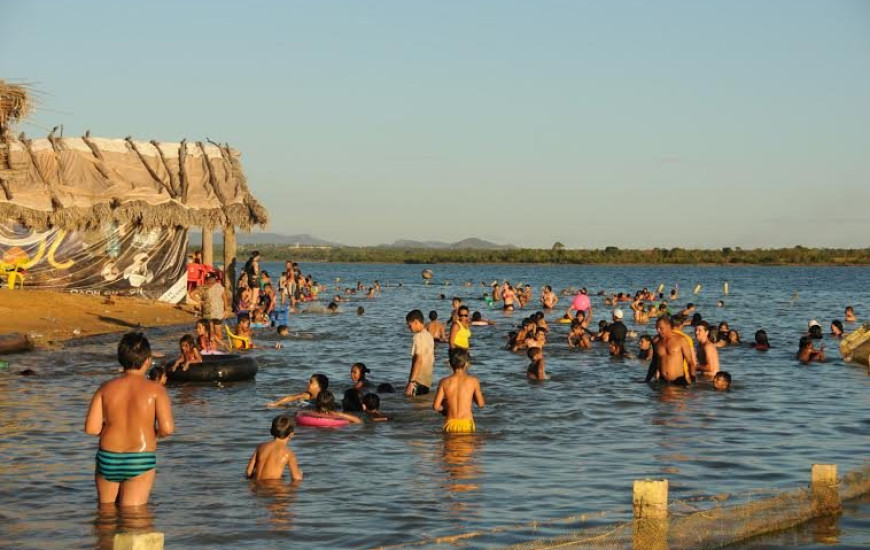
(674, 354)
(708, 355)
(129, 413)
(458, 390)
(272, 457)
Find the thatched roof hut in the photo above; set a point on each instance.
(82, 196)
(82, 182)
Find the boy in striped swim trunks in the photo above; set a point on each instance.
(458, 390)
(124, 413)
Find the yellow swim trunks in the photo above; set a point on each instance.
(459, 426)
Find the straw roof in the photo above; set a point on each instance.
(15, 104)
(80, 183)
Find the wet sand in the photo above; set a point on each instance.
(51, 318)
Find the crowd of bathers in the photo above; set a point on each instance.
(673, 358)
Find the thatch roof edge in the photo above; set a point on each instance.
(136, 213)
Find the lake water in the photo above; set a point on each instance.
(569, 446)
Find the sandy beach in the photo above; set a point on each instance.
(51, 318)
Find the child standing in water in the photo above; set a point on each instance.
(536, 370)
(129, 413)
(272, 457)
(459, 390)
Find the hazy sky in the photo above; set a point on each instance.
(633, 124)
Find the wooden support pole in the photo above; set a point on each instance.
(825, 488)
(650, 503)
(207, 246)
(138, 541)
(650, 499)
(230, 260)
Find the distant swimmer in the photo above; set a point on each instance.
(455, 396)
(511, 301)
(436, 327)
(316, 384)
(672, 352)
(722, 381)
(807, 353)
(460, 331)
(850, 315)
(708, 355)
(536, 369)
(271, 458)
(549, 298)
(837, 328)
(645, 348)
(761, 341)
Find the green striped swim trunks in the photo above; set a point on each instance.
(119, 467)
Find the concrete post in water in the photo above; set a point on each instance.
(650, 504)
(138, 541)
(825, 488)
(207, 246)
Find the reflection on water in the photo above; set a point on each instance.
(278, 496)
(462, 471)
(110, 520)
(572, 445)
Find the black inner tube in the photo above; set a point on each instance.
(217, 368)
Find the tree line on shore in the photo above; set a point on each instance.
(558, 254)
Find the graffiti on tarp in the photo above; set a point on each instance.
(114, 260)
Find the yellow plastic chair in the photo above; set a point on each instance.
(236, 341)
(13, 273)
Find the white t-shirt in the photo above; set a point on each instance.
(424, 346)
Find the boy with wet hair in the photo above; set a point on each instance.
(459, 390)
(129, 413)
(272, 457)
(316, 384)
(722, 381)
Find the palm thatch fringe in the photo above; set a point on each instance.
(15, 104)
(27, 177)
(256, 214)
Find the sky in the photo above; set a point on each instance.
(626, 123)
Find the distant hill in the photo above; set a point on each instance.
(243, 238)
(464, 244)
(258, 238)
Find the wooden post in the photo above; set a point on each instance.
(825, 489)
(138, 541)
(650, 503)
(207, 246)
(230, 260)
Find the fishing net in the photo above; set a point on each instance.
(704, 522)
